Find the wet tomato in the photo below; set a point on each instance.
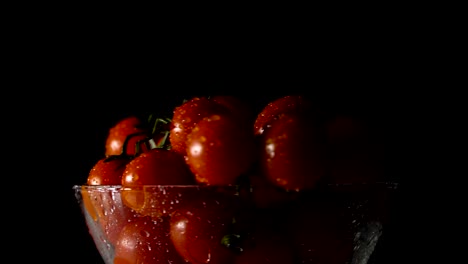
(219, 149)
(108, 171)
(154, 167)
(146, 240)
(293, 152)
(289, 104)
(188, 114)
(107, 209)
(157, 167)
(237, 107)
(198, 228)
(117, 135)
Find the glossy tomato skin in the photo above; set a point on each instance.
(157, 167)
(186, 116)
(117, 135)
(108, 171)
(237, 107)
(220, 148)
(197, 229)
(293, 152)
(146, 240)
(289, 104)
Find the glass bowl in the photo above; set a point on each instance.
(236, 224)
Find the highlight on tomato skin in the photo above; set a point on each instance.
(276, 164)
(117, 135)
(108, 171)
(289, 104)
(220, 149)
(190, 112)
(197, 228)
(186, 116)
(293, 152)
(146, 240)
(154, 167)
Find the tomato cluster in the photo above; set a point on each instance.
(260, 176)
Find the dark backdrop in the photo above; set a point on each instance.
(92, 120)
(64, 128)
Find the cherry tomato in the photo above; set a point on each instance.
(146, 240)
(108, 171)
(154, 167)
(106, 207)
(186, 116)
(236, 106)
(119, 132)
(220, 149)
(293, 152)
(98, 203)
(198, 228)
(283, 105)
(157, 167)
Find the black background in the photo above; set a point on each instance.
(89, 120)
(64, 129)
(63, 100)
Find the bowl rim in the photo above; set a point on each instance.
(385, 185)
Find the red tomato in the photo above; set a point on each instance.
(293, 152)
(108, 171)
(154, 167)
(220, 149)
(107, 209)
(146, 240)
(197, 229)
(157, 167)
(99, 204)
(237, 107)
(283, 105)
(186, 116)
(118, 134)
